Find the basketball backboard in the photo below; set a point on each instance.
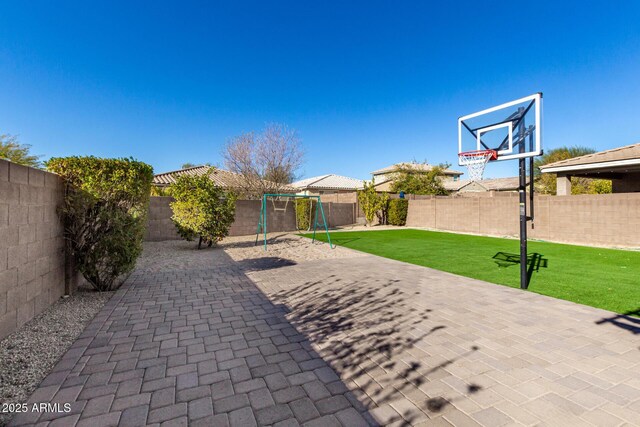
(512, 130)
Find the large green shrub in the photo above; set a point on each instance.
(104, 214)
(397, 212)
(201, 209)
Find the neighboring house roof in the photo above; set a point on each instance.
(419, 167)
(329, 182)
(495, 184)
(615, 158)
(220, 177)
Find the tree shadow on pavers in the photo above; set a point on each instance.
(438, 404)
(371, 335)
(264, 263)
(629, 321)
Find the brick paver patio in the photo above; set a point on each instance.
(200, 339)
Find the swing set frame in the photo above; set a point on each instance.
(319, 210)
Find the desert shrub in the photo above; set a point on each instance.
(304, 217)
(201, 209)
(397, 214)
(104, 214)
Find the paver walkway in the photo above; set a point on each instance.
(190, 340)
(301, 334)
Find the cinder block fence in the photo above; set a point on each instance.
(590, 219)
(280, 218)
(32, 259)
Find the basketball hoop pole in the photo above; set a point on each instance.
(522, 192)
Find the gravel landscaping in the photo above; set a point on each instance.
(283, 249)
(30, 353)
(286, 246)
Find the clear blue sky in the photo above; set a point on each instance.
(366, 84)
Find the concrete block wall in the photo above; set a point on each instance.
(338, 214)
(160, 227)
(32, 259)
(604, 219)
(248, 214)
(159, 224)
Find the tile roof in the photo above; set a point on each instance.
(628, 152)
(416, 166)
(496, 184)
(221, 177)
(329, 181)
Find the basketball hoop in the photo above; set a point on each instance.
(475, 161)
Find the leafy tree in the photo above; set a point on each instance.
(11, 149)
(373, 203)
(104, 214)
(201, 209)
(600, 186)
(416, 180)
(267, 161)
(546, 182)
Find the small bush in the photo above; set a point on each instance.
(104, 214)
(304, 208)
(397, 213)
(201, 209)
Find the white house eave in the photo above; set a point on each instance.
(591, 166)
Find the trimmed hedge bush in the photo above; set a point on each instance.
(201, 209)
(397, 212)
(104, 214)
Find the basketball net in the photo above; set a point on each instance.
(475, 161)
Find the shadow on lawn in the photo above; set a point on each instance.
(344, 240)
(629, 321)
(376, 341)
(535, 261)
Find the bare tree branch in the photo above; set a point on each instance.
(267, 161)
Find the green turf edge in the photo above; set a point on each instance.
(597, 277)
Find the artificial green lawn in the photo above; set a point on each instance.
(604, 278)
